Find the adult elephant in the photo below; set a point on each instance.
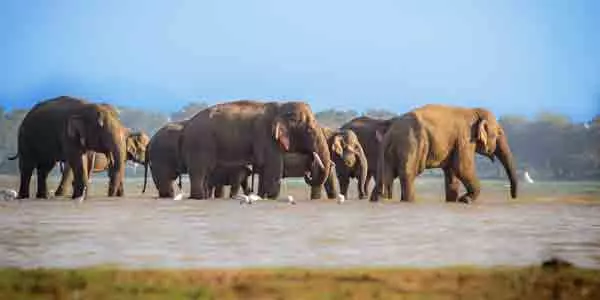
(164, 159)
(349, 159)
(245, 132)
(65, 129)
(369, 132)
(135, 144)
(446, 137)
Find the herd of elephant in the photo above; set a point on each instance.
(228, 143)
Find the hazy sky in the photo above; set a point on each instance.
(511, 56)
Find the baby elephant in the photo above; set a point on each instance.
(350, 161)
(234, 176)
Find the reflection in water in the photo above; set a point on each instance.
(222, 233)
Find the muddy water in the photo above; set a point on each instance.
(223, 233)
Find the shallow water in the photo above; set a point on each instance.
(222, 233)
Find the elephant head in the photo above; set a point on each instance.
(346, 148)
(96, 128)
(136, 144)
(491, 142)
(295, 129)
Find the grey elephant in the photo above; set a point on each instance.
(245, 132)
(136, 143)
(164, 159)
(446, 137)
(65, 129)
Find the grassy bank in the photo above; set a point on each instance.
(446, 283)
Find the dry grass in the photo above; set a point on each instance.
(447, 283)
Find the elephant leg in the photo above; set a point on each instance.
(452, 185)
(467, 175)
(367, 180)
(42, 180)
(360, 186)
(80, 180)
(315, 192)
(219, 191)
(66, 180)
(121, 190)
(270, 178)
(388, 182)
(164, 185)
(198, 184)
(344, 183)
(234, 189)
(388, 189)
(165, 189)
(26, 171)
(407, 185)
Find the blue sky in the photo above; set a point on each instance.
(514, 57)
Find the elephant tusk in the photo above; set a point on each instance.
(318, 160)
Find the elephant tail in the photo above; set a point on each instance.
(146, 162)
(13, 157)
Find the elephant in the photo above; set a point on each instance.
(349, 159)
(446, 137)
(65, 129)
(246, 132)
(369, 132)
(136, 143)
(234, 176)
(164, 159)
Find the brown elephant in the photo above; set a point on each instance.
(245, 132)
(65, 129)
(136, 143)
(369, 132)
(164, 159)
(349, 159)
(446, 137)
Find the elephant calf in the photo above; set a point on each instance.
(136, 143)
(234, 176)
(164, 160)
(446, 137)
(349, 159)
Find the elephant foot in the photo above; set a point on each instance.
(42, 196)
(360, 196)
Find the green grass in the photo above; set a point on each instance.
(445, 283)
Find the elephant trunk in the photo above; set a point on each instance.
(321, 158)
(118, 172)
(505, 156)
(364, 169)
(146, 162)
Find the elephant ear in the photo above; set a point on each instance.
(482, 133)
(75, 130)
(280, 133)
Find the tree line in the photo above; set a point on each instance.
(548, 146)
